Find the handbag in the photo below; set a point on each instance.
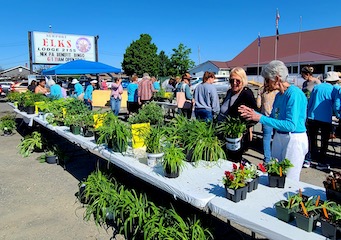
(187, 105)
(180, 99)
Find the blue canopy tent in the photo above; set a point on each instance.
(80, 67)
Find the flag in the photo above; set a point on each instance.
(258, 40)
(277, 17)
(277, 20)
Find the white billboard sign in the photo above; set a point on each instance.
(57, 48)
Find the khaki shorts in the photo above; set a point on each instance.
(81, 96)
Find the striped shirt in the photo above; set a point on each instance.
(145, 90)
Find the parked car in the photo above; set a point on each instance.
(2, 94)
(6, 87)
(221, 83)
(125, 82)
(20, 86)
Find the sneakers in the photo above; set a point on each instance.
(306, 164)
(322, 166)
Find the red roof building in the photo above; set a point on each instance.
(319, 48)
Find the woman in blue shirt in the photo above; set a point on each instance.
(88, 94)
(186, 110)
(288, 117)
(132, 103)
(78, 89)
(55, 90)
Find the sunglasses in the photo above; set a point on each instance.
(232, 80)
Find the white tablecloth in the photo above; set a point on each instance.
(257, 211)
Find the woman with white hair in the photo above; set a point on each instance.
(55, 90)
(288, 117)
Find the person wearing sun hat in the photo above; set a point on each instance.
(324, 101)
(78, 89)
(88, 94)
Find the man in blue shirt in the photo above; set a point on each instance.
(323, 103)
(88, 94)
(288, 117)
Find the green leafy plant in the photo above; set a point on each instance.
(203, 142)
(7, 123)
(231, 127)
(74, 120)
(30, 143)
(292, 201)
(279, 168)
(115, 132)
(133, 214)
(153, 139)
(236, 178)
(173, 159)
(150, 112)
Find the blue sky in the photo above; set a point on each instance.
(220, 28)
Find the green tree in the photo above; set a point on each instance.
(180, 61)
(141, 56)
(164, 64)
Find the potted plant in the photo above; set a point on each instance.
(88, 124)
(31, 143)
(29, 102)
(173, 161)
(149, 114)
(232, 129)
(331, 220)
(307, 214)
(153, 140)
(277, 171)
(202, 142)
(251, 176)
(332, 185)
(235, 183)
(74, 122)
(285, 209)
(114, 132)
(7, 124)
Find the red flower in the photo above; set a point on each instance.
(241, 166)
(227, 173)
(262, 167)
(235, 167)
(231, 177)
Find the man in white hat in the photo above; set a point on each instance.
(78, 89)
(88, 93)
(323, 103)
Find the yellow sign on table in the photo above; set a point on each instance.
(136, 132)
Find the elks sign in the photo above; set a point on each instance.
(57, 48)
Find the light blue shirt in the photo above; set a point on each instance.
(78, 89)
(88, 92)
(132, 92)
(206, 97)
(289, 111)
(156, 85)
(56, 91)
(322, 103)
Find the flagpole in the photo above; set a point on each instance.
(299, 48)
(258, 56)
(276, 42)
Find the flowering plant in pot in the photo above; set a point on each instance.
(277, 171)
(235, 183)
(333, 186)
(153, 140)
(252, 177)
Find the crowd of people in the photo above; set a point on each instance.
(291, 117)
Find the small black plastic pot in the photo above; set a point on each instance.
(276, 181)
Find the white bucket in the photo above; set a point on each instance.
(154, 158)
(233, 144)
